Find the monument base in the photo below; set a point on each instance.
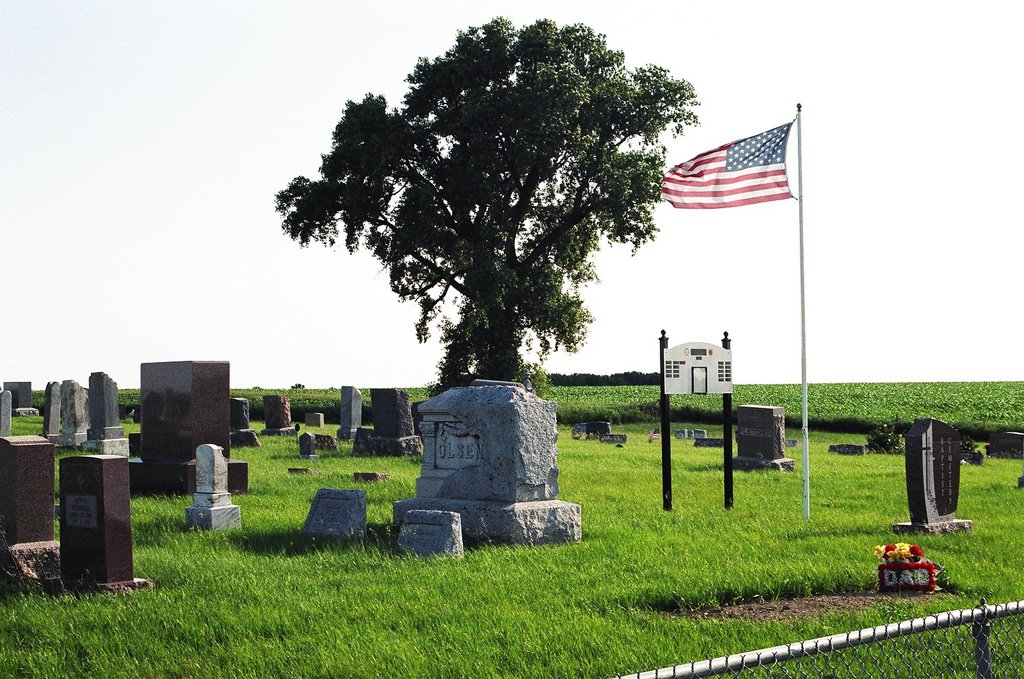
(107, 447)
(309, 457)
(58, 586)
(244, 438)
(382, 445)
(53, 438)
(939, 527)
(213, 518)
(781, 464)
(347, 434)
(543, 522)
(31, 560)
(169, 476)
(25, 412)
(284, 431)
(72, 440)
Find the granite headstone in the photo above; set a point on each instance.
(307, 447)
(337, 514)
(761, 439)
(21, 394)
(6, 398)
(932, 460)
(393, 432)
(74, 414)
(1008, 444)
(490, 455)
(51, 412)
(96, 525)
(211, 503)
(277, 416)
(431, 533)
(351, 413)
(27, 547)
(105, 434)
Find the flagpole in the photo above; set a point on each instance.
(803, 321)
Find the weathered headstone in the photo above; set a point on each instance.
(490, 455)
(27, 546)
(337, 514)
(314, 419)
(211, 503)
(351, 413)
(613, 438)
(277, 416)
(242, 435)
(761, 439)
(709, 442)
(370, 477)
(326, 442)
(5, 412)
(393, 432)
(431, 533)
(105, 434)
(307, 447)
(591, 430)
(933, 478)
(184, 405)
(1008, 444)
(74, 414)
(96, 525)
(51, 412)
(21, 396)
(846, 449)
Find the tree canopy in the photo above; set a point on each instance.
(512, 158)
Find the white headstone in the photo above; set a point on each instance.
(211, 503)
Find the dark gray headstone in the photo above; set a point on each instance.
(761, 432)
(392, 413)
(307, 446)
(351, 413)
(51, 412)
(933, 477)
(239, 414)
(846, 449)
(337, 514)
(1006, 444)
(21, 394)
(6, 398)
(105, 434)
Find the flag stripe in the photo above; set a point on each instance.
(744, 172)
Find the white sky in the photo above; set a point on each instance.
(141, 145)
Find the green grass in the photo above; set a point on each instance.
(265, 600)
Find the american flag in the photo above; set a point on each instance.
(743, 172)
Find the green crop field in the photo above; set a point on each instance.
(264, 600)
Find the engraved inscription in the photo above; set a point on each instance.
(80, 511)
(456, 447)
(755, 432)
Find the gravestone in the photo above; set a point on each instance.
(792, 443)
(393, 432)
(96, 526)
(51, 412)
(242, 435)
(431, 533)
(932, 460)
(613, 438)
(351, 413)
(27, 547)
(591, 430)
(5, 412)
(21, 397)
(314, 419)
(337, 514)
(325, 442)
(370, 477)
(846, 449)
(211, 503)
(307, 447)
(105, 434)
(709, 442)
(277, 416)
(184, 405)
(74, 414)
(761, 439)
(489, 454)
(1009, 444)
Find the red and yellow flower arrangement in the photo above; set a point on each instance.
(904, 567)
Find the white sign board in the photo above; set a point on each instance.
(698, 368)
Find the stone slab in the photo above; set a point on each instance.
(938, 528)
(21, 394)
(57, 586)
(431, 533)
(337, 514)
(31, 560)
(518, 523)
(213, 518)
(613, 438)
(368, 444)
(25, 412)
(314, 419)
(185, 404)
(709, 443)
(846, 449)
(746, 464)
(107, 447)
(244, 438)
(370, 477)
(279, 431)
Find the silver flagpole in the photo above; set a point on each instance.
(803, 321)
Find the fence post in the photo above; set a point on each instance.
(980, 630)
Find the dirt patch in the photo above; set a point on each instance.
(795, 609)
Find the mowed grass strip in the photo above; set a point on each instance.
(265, 600)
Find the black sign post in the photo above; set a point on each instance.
(727, 433)
(666, 436)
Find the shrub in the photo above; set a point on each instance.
(968, 444)
(885, 438)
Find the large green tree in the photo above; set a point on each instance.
(510, 161)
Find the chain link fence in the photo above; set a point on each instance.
(985, 642)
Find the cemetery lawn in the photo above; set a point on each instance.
(265, 600)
